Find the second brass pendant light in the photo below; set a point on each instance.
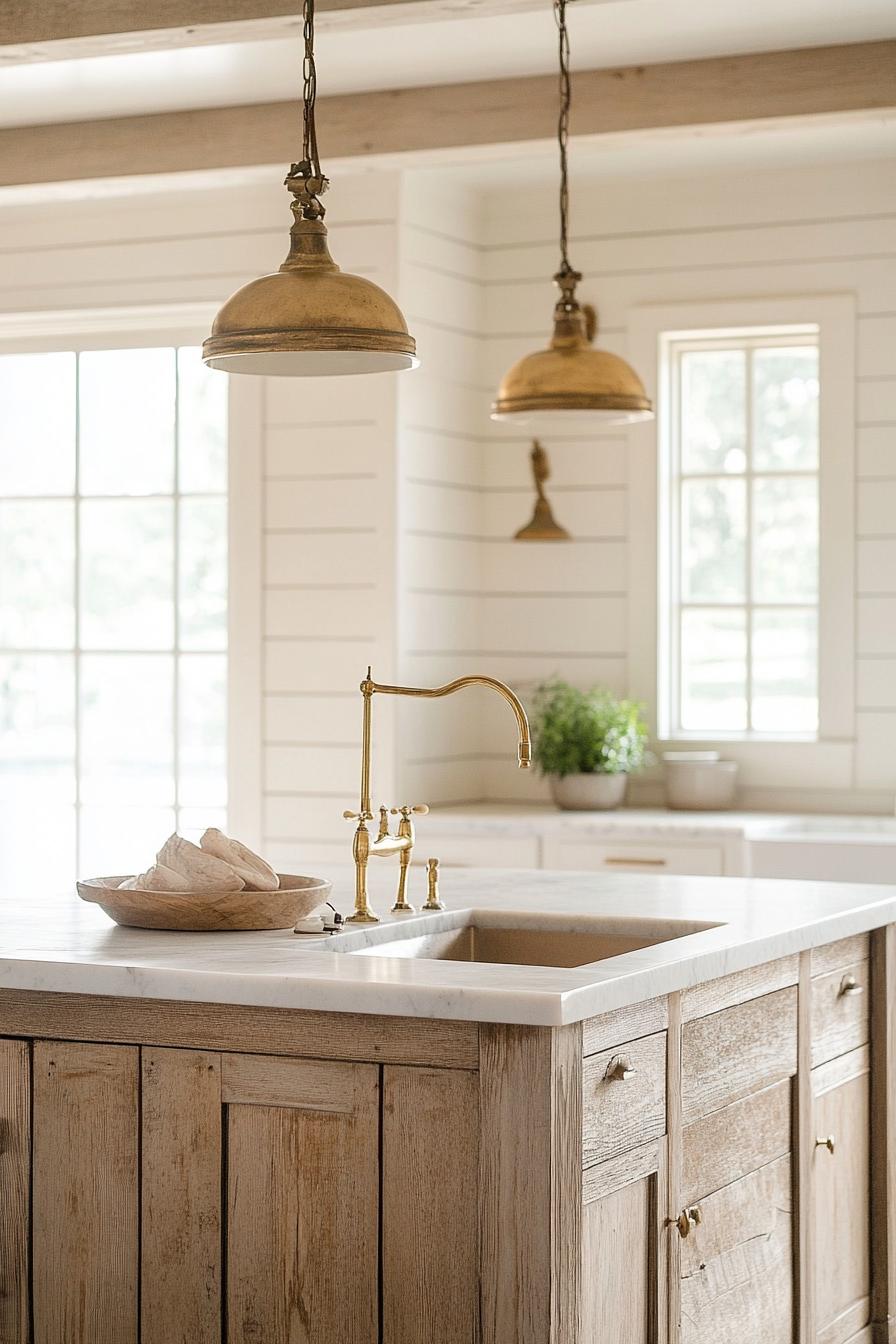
(309, 319)
(570, 384)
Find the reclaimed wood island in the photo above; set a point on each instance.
(228, 1139)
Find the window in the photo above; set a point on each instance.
(742, 580)
(113, 599)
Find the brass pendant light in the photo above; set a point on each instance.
(309, 319)
(570, 385)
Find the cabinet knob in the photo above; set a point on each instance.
(620, 1072)
(826, 1143)
(687, 1219)
(850, 985)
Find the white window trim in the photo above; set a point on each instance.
(189, 324)
(774, 763)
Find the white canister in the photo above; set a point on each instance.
(698, 781)
(588, 793)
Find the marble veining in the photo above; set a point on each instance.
(64, 945)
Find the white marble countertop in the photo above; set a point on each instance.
(65, 945)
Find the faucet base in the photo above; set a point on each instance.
(363, 917)
(403, 908)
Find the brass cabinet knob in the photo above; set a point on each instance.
(620, 1072)
(688, 1219)
(849, 985)
(826, 1143)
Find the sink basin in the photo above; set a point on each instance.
(511, 939)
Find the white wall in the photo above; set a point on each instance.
(390, 502)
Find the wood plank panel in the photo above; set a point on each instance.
(608, 1177)
(430, 1207)
(302, 1228)
(681, 93)
(840, 1021)
(237, 1027)
(530, 1191)
(624, 1024)
(730, 990)
(180, 1274)
(736, 1266)
(86, 1193)
(842, 1201)
(617, 1113)
(740, 1050)
(618, 1264)
(728, 1144)
(883, 1134)
(842, 954)
(15, 1185)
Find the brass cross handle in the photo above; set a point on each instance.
(419, 809)
(621, 1072)
(358, 816)
(688, 1218)
(849, 985)
(826, 1143)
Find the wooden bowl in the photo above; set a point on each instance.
(208, 910)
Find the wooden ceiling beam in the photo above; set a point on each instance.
(29, 23)
(725, 89)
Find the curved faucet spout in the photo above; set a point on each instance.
(369, 687)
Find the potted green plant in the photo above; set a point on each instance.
(587, 743)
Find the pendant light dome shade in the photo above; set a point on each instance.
(309, 319)
(570, 383)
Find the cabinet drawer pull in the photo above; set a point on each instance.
(826, 1143)
(687, 1219)
(849, 985)
(637, 863)
(620, 1072)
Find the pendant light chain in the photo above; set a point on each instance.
(309, 75)
(563, 129)
(306, 179)
(566, 277)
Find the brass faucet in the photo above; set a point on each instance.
(402, 843)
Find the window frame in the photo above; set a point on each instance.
(188, 324)
(771, 761)
(672, 478)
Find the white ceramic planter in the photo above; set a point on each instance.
(588, 793)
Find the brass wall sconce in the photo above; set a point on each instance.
(544, 526)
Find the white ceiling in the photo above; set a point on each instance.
(378, 50)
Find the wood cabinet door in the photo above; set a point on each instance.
(842, 1196)
(302, 1196)
(737, 1262)
(619, 1266)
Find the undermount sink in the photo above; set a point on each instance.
(512, 939)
